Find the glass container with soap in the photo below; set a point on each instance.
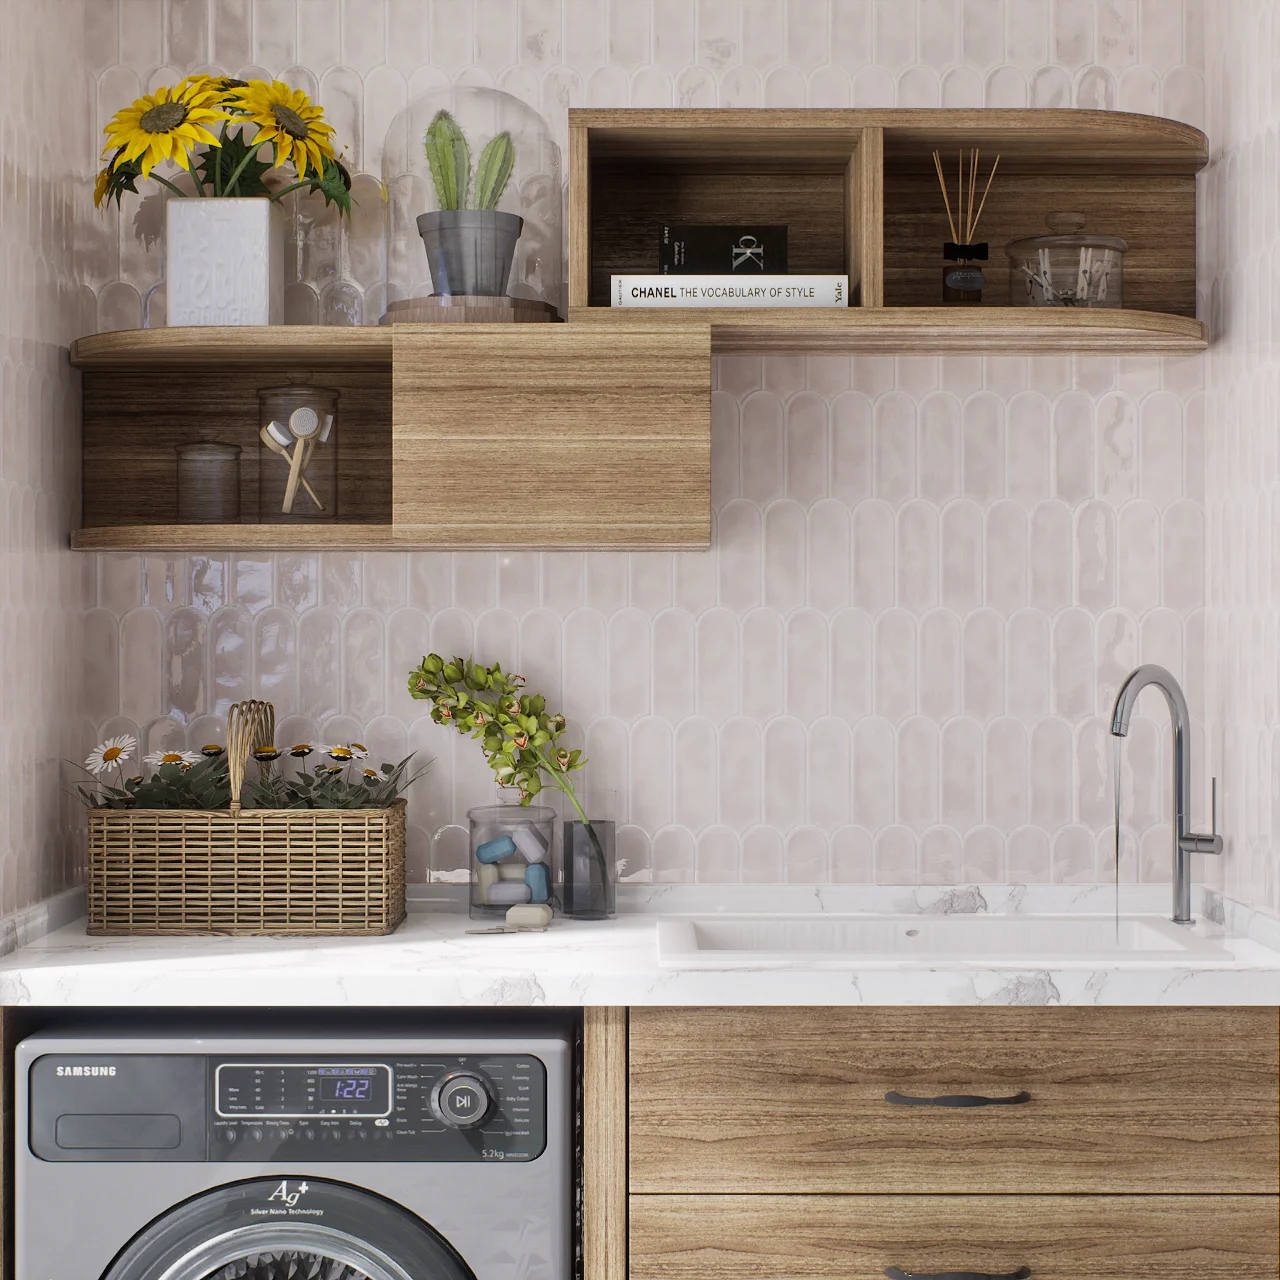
(510, 857)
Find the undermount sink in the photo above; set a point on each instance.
(921, 941)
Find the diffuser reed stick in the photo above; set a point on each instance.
(965, 200)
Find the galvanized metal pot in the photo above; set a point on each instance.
(470, 250)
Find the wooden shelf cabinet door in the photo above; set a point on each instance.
(545, 436)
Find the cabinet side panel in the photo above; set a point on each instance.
(604, 1131)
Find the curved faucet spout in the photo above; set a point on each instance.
(1134, 685)
(1185, 841)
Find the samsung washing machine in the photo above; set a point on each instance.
(320, 1157)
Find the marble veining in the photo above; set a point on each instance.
(432, 961)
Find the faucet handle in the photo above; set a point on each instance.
(1195, 843)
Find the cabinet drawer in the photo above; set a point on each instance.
(858, 1237)
(794, 1100)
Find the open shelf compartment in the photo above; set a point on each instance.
(631, 170)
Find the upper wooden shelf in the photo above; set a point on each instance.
(1029, 139)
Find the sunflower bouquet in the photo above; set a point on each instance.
(216, 128)
(342, 778)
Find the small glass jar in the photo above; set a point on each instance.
(1067, 268)
(510, 857)
(208, 481)
(297, 454)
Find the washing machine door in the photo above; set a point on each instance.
(288, 1229)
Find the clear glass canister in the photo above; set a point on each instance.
(510, 857)
(208, 481)
(1066, 268)
(297, 454)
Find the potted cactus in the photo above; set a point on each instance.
(470, 244)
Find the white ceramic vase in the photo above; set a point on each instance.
(224, 261)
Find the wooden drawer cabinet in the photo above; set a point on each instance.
(1119, 1100)
(857, 1237)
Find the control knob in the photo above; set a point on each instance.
(461, 1100)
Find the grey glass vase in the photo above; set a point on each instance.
(589, 861)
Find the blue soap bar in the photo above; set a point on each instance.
(539, 882)
(496, 850)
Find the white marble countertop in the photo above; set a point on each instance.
(431, 960)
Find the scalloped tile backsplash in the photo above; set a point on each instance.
(928, 575)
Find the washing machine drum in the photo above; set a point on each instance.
(288, 1229)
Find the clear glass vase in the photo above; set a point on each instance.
(590, 859)
(510, 857)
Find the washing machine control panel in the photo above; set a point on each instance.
(461, 1108)
(250, 1109)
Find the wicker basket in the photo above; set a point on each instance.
(293, 872)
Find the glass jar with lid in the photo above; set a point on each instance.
(1067, 268)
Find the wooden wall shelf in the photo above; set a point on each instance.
(603, 424)
(925, 330)
(860, 195)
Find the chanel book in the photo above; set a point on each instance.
(713, 250)
(729, 291)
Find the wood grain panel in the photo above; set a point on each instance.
(1220, 1237)
(604, 1154)
(1154, 213)
(1059, 140)
(793, 1100)
(866, 218)
(240, 346)
(579, 219)
(921, 330)
(553, 435)
(134, 419)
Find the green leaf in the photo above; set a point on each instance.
(334, 183)
(217, 164)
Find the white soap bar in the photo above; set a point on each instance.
(536, 915)
(511, 870)
(486, 878)
(529, 840)
(506, 892)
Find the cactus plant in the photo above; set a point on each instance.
(493, 171)
(450, 159)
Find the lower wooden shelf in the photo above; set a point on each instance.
(922, 330)
(181, 539)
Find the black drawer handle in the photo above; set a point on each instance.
(896, 1273)
(957, 1100)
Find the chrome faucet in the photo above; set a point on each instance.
(1185, 841)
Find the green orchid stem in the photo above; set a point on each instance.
(566, 787)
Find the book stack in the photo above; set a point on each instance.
(726, 266)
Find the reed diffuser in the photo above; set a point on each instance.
(962, 281)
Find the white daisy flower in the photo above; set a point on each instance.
(184, 758)
(109, 753)
(359, 750)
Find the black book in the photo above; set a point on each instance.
(722, 250)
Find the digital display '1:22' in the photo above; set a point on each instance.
(346, 1089)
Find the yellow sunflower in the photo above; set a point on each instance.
(289, 120)
(165, 125)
